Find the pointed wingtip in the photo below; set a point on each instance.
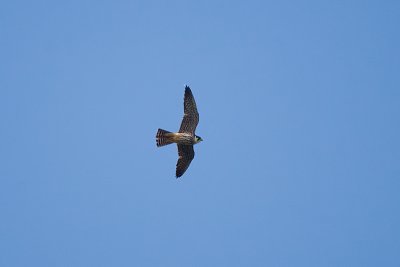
(188, 91)
(178, 174)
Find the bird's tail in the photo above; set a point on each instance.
(164, 138)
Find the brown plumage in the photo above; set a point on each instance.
(185, 137)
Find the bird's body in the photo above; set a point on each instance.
(165, 138)
(185, 138)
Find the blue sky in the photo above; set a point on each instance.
(299, 107)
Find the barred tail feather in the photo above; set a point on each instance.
(163, 138)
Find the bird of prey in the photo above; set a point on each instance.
(185, 138)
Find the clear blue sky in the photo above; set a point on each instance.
(299, 107)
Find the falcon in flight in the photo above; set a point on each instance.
(185, 137)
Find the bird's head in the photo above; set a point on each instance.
(198, 139)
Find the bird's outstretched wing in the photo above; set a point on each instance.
(191, 116)
(186, 155)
